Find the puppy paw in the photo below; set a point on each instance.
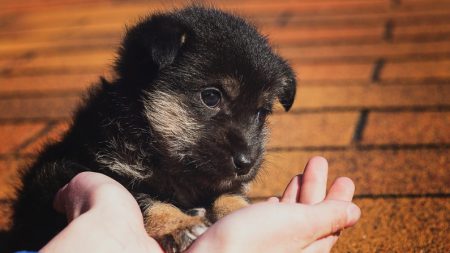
(173, 229)
(226, 204)
(196, 212)
(180, 240)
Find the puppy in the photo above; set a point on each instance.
(183, 127)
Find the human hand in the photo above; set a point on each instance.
(103, 217)
(305, 219)
(310, 188)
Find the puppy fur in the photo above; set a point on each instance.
(152, 130)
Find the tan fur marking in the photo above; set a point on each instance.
(162, 219)
(226, 204)
(170, 118)
(124, 159)
(231, 86)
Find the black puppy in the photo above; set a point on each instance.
(183, 127)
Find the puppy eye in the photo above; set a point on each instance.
(211, 97)
(262, 114)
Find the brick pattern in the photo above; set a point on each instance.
(407, 128)
(38, 107)
(55, 131)
(357, 95)
(399, 225)
(373, 98)
(14, 135)
(306, 130)
(46, 84)
(376, 172)
(9, 176)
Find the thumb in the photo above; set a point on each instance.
(334, 216)
(59, 203)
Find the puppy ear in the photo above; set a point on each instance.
(288, 87)
(150, 46)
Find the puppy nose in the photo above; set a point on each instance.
(242, 163)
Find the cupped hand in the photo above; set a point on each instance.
(103, 217)
(304, 219)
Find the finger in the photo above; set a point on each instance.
(273, 200)
(292, 192)
(78, 195)
(321, 245)
(314, 181)
(59, 202)
(334, 216)
(342, 188)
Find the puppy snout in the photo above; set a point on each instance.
(242, 163)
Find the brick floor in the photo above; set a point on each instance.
(15, 134)
(366, 52)
(8, 176)
(373, 98)
(408, 172)
(48, 83)
(38, 107)
(312, 129)
(54, 132)
(407, 128)
(399, 225)
(358, 95)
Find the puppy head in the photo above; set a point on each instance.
(207, 81)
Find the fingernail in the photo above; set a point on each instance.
(353, 214)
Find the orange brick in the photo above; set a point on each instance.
(113, 32)
(9, 182)
(417, 70)
(105, 31)
(66, 35)
(80, 16)
(53, 135)
(400, 19)
(419, 16)
(306, 130)
(333, 72)
(335, 19)
(31, 108)
(89, 59)
(120, 11)
(5, 217)
(304, 7)
(426, 30)
(62, 70)
(321, 34)
(407, 128)
(434, 5)
(373, 171)
(369, 52)
(399, 225)
(11, 50)
(47, 83)
(18, 49)
(69, 14)
(371, 96)
(9, 177)
(13, 135)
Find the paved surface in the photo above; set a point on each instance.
(374, 98)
